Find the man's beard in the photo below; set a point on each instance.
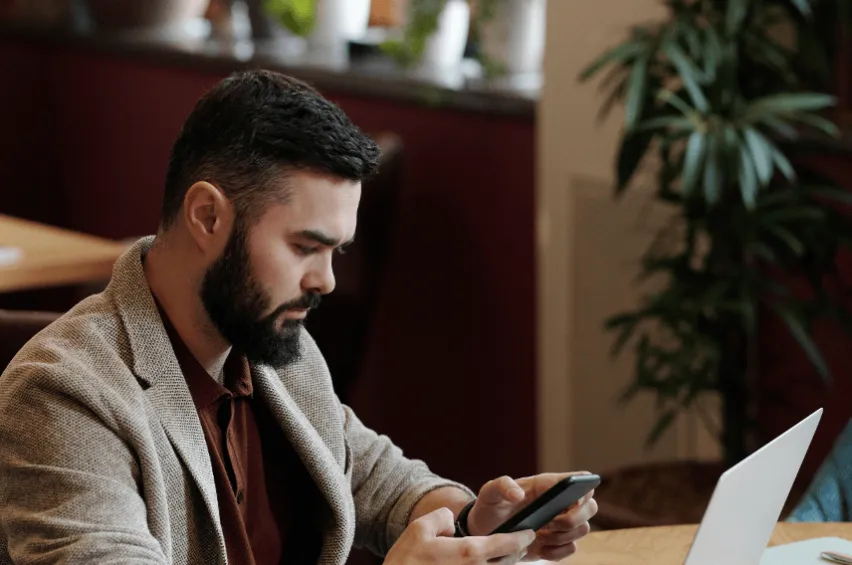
(236, 304)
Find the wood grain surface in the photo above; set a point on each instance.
(53, 256)
(668, 545)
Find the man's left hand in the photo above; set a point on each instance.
(501, 498)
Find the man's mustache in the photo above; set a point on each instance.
(305, 302)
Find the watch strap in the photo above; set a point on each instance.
(461, 520)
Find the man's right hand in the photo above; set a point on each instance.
(429, 540)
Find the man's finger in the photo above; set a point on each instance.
(501, 490)
(440, 522)
(587, 498)
(509, 559)
(573, 518)
(557, 553)
(546, 537)
(502, 545)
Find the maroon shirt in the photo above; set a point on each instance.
(267, 500)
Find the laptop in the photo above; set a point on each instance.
(749, 498)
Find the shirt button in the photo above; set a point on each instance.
(240, 496)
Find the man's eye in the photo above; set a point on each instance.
(305, 249)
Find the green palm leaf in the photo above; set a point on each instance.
(623, 54)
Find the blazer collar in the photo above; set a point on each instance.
(149, 343)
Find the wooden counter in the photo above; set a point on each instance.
(53, 257)
(668, 545)
(359, 72)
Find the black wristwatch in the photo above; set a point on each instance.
(461, 520)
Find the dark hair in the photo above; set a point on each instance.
(252, 128)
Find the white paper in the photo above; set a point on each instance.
(805, 552)
(10, 255)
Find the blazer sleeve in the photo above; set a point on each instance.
(69, 489)
(385, 484)
(829, 496)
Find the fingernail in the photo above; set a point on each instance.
(523, 553)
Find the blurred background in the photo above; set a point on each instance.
(607, 234)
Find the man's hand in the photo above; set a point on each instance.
(501, 498)
(428, 540)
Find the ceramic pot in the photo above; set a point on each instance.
(340, 20)
(445, 49)
(514, 37)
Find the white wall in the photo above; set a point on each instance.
(589, 246)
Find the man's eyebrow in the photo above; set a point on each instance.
(323, 239)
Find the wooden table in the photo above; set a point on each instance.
(53, 256)
(668, 545)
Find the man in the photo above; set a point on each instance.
(185, 416)
(829, 496)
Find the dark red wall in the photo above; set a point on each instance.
(790, 388)
(451, 364)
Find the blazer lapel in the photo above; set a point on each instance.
(155, 364)
(315, 455)
(171, 400)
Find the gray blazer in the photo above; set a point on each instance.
(103, 460)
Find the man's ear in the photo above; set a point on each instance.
(208, 215)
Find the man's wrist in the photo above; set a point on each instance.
(461, 520)
(450, 497)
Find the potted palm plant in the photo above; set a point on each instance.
(724, 105)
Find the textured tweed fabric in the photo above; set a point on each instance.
(829, 496)
(103, 459)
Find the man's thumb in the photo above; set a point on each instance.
(440, 522)
(501, 490)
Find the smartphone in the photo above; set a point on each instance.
(551, 504)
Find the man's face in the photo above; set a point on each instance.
(270, 275)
